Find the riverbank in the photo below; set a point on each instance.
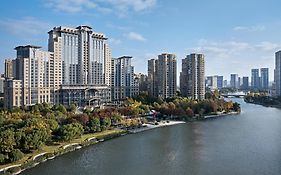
(49, 152)
(150, 126)
(263, 104)
(221, 114)
(265, 101)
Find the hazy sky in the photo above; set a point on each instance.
(234, 35)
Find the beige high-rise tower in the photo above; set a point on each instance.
(162, 76)
(107, 64)
(192, 77)
(31, 83)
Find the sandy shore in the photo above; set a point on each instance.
(151, 126)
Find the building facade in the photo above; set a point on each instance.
(212, 82)
(142, 80)
(152, 78)
(220, 82)
(245, 83)
(123, 83)
(31, 67)
(255, 79)
(277, 74)
(8, 68)
(13, 96)
(166, 75)
(264, 79)
(192, 77)
(234, 81)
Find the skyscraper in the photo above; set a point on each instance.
(166, 72)
(151, 78)
(245, 83)
(225, 83)
(255, 79)
(81, 53)
(220, 82)
(234, 81)
(264, 78)
(192, 77)
(277, 73)
(123, 82)
(162, 76)
(142, 80)
(81, 61)
(212, 82)
(32, 77)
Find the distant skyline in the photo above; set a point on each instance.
(234, 36)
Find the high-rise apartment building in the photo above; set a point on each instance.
(8, 68)
(142, 81)
(245, 83)
(31, 67)
(264, 80)
(192, 77)
(123, 82)
(277, 73)
(234, 81)
(220, 82)
(212, 82)
(166, 75)
(152, 78)
(255, 79)
(225, 84)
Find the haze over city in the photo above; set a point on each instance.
(235, 36)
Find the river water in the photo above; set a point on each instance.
(248, 143)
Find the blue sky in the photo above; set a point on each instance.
(235, 36)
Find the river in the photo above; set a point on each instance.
(244, 144)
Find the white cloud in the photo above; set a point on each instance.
(25, 27)
(225, 57)
(71, 6)
(136, 5)
(119, 7)
(114, 41)
(250, 28)
(268, 46)
(135, 36)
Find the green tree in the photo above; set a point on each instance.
(7, 141)
(2, 158)
(94, 124)
(35, 137)
(105, 123)
(53, 124)
(71, 131)
(15, 155)
(59, 108)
